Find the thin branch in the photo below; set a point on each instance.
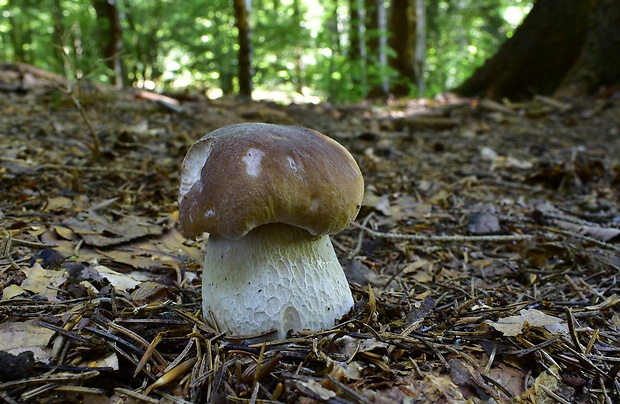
(446, 238)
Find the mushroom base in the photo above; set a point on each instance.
(277, 276)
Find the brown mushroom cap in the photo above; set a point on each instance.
(242, 176)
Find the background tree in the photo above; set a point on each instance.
(598, 65)
(337, 49)
(110, 37)
(569, 46)
(403, 43)
(420, 44)
(242, 11)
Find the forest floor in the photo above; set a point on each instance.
(484, 261)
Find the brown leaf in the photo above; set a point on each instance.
(513, 325)
(98, 231)
(596, 232)
(43, 282)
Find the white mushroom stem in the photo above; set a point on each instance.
(276, 276)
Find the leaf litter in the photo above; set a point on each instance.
(484, 262)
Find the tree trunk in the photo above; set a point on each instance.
(538, 56)
(420, 45)
(224, 57)
(383, 44)
(371, 33)
(242, 12)
(62, 56)
(403, 42)
(357, 48)
(599, 63)
(298, 80)
(111, 39)
(20, 34)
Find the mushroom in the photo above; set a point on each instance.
(269, 196)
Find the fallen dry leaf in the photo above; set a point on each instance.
(26, 336)
(316, 388)
(596, 232)
(43, 282)
(122, 281)
(98, 231)
(513, 325)
(11, 291)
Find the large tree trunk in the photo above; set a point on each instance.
(242, 15)
(111, 31)
(538, 56)
(599, 63)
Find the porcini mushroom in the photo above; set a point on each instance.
(269, 196)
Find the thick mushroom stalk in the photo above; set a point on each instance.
(277, 276)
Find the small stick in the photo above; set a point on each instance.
(444, 238)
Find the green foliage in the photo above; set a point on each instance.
(461, 35)
(301, 46)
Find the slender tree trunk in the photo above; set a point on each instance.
(334, 34)
(539, 54)
(108, 18)
(242, 14)
(223, 57)
(17, 34)
(383, 44)
(357, 49)
(371, 33)
(420, 44)
(62, 57)
(299, 68)
(403, 42)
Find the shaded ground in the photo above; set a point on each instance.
(484, 261)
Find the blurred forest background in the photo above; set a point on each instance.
(338, 50)
(313, 50)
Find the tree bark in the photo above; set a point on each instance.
(111, 39)
(20, 34)
(356, 54)
(538, 56)
(377, 40)
(383, 44)
(420, 45)
(242, 11)
(598, 66)
(403, 42)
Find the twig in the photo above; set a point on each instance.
(141, 397)
(50, 378)
(360, 237)
(346, 390)
(156, 355)
(5, 248)
(551, 394)
(96, 147)
(444, 238)
(586, 238)
(570, 319)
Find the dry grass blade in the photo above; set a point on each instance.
(60, 377)
(160, 359)
(172, 375)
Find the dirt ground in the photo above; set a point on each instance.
(484, 261)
